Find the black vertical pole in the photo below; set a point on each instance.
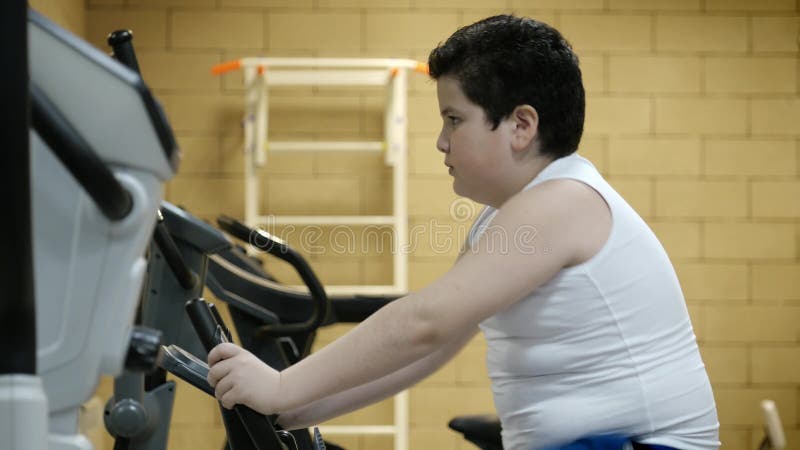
(17, 312)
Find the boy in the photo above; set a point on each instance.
(586, 325)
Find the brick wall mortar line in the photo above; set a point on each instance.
(168, 28)
(797, 151)
(797, 75)
(363, 35)
(265, 42)
(750, 293)
(702, 156)
(748, 116)
(797, 244)
(702, 230)
(92, 8)
(739, 221)
(703, 59)
(749, 198)
(749, 366)
(606, 152)
(653, 198)
(653, 32)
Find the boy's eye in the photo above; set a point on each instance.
(453, 120)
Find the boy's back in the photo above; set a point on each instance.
(605, 346)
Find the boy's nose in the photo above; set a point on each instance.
(442, 143)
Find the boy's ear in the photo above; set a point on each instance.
(526, 126)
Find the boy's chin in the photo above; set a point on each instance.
(461, 192)
(458, 189)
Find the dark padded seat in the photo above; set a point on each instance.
(481, 430)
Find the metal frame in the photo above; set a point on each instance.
(261, 74)
(23, 404)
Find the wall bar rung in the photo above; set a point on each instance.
(328, 77)
(326, 220)
(326, 146)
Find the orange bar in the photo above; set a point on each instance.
(226, 67)
(420, 67)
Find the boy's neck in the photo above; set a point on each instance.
(518, 179)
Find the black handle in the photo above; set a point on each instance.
(186, 366)
(144, 350)
(186, 278)
(17, 304)
(205, 325)
(276, 247)
(212, 333)
(218, 318)
(78, 157)
(120, 42)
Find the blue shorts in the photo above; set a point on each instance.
(608, 442)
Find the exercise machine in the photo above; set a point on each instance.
(139, 413)
(23, 406)
(100, 150)
(274, 322)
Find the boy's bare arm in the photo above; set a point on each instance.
(544, 227)
(534, 235)
(374, 391)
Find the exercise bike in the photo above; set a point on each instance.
(100, 151)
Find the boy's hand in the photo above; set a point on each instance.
(240, 378)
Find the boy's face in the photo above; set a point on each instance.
(475, 154)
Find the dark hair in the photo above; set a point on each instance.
(504, 61)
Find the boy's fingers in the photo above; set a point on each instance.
(222, 351)
(223, 387)
(227, 399)
(217, 372)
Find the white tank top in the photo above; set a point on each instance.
(603, 347)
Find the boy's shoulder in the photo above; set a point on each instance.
(559, 196)
(567, 213)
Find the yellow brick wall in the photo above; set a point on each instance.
(692, 114)
(69, 14)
